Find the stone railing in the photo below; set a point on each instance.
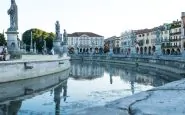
(177, 62)
(31, 67)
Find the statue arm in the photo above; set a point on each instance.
(10, 10)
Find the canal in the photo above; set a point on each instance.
(85, 84)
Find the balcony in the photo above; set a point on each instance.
(175, 33)
(169, 46)
(175, 40)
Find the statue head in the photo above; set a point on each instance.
(57, 27)
(57, 22)
(12, 1)
(65, 32)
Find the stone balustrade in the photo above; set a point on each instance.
(24, 69)
(175, 64)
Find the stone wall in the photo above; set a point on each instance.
(172, 65)
(24, 69)
(36, 85)
(39, 57)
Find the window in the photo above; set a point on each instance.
(124, 43)
(166, 32)
(147, 41)
(71, 41)
(170, 31)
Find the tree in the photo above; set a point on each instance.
(38, 37)
(2, 40)
(49, 41)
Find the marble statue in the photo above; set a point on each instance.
(44, 44)
(133, 38)
(13, 12)
(45, 48)
(65, 39)
(57, 41)
(158, 36)
(35, 47)
(57, 29)
(158, 51)
(12, 32)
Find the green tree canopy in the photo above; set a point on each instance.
(38, 37)
(2, 40)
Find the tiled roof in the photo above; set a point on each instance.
(112, 38)
(78, 34)
(142, 31)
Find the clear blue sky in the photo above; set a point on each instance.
(104, 17)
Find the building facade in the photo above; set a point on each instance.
(87, 70)
(172, 41)
(113, 43)
(161, 40)
(146, 41)
(85, 43)
(128, 39)
(183, 32)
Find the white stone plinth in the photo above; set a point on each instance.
(133, 50)
(12, 42)
(56, 43)
(65, 50)
(57, 46)
(158, 50)
(76, 51)
(111, 51)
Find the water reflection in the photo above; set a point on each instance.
(11, 108)
(57, 98)
(14, 93)
(86, 84)
(92, 70)
(86, 70)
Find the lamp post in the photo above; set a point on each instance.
(31, 44)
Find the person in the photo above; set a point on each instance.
(52, 51)
(4, 52)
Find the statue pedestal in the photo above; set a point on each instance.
(76, 51)
(65, 50)
(12, 44)
(56, 43)
(111, 52)
(183, 53)
(93, 51)
(158, 51)
(133, 51)
(57, 46)
(31, 50)
(35, 51)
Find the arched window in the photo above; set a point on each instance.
(147, 41)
